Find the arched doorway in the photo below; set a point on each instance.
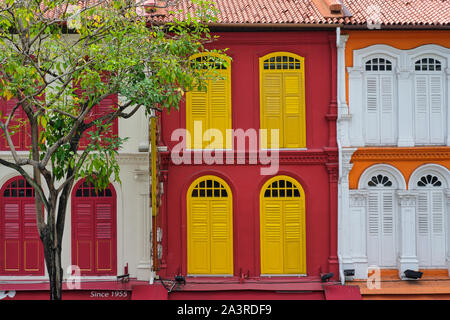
(210, 227)
(283, 236)
(20, 247)
(94, 215)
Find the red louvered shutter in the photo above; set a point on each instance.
(94, 230)
(83, 240)
(32, 245)
(104, 237)
(11, 236)
(17, 137)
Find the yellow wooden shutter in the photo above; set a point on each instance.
(272, 238)
(219, 100)
(294, 261)
(294, 118)
(272, 105)
(197, 110)
(199, 238)
(221, 237)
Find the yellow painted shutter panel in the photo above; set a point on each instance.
(294, 113)
(221, 237)
(272, 105)
(220, 107)
(199, 238)
(197, 110)
(294, 253)
(272, 237)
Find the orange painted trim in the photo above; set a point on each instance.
(403, 40)
(406, 160)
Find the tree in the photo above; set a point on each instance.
(58, 60)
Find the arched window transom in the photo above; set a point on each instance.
(282, 189)
(19, 188)
(379, 64)
(87, 189)
(380, 181)
(209, 189)
(429, 181)
(428, 64)
(282, 63)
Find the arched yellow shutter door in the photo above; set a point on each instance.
(283, 240)
(282, 87)
(210, 227)
(213, 107)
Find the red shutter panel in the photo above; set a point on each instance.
(32, 246)
(11, 243)
(106, 106)
(104, 237)
(83, 240)
(17, 137)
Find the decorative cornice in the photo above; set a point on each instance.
(406, 198)
(402, 154)
(307, 157)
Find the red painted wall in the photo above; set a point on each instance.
(315, 168)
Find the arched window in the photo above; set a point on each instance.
(211, 108)
(429, 97)
(94, 244)
(283, 236)
(430, 213)
(20, 247)
(282, 89)
(381, 223)
(210, 227)
(381, 111)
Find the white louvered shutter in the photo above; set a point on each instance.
(372, 110)
(373, 230)
(421, 110)
(423, 243)
(388, 248)
(436, 110)
(387, 123)
(437, 231)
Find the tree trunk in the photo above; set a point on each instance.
(52, 255)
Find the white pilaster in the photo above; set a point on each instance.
(356, 106)
(405, 109)
(408, 249)
(358, 236)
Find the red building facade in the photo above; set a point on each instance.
(313, 170)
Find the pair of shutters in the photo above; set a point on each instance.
(94, 235)
(210, 228)
(381, 244)
(429, 109)
(213, 110)
(380, 115)
(105, 106)
(21, 251)
(431, 229)
(283, 100)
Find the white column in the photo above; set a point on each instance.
(448, 105)
(405, 119)
(356, 106)
(143, 228)
(357, 233)
(408, 249)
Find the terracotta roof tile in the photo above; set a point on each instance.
(399, 12)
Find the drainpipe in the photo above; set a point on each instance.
(338, 136)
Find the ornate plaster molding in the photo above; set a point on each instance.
(358, 198)
(406, 198)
